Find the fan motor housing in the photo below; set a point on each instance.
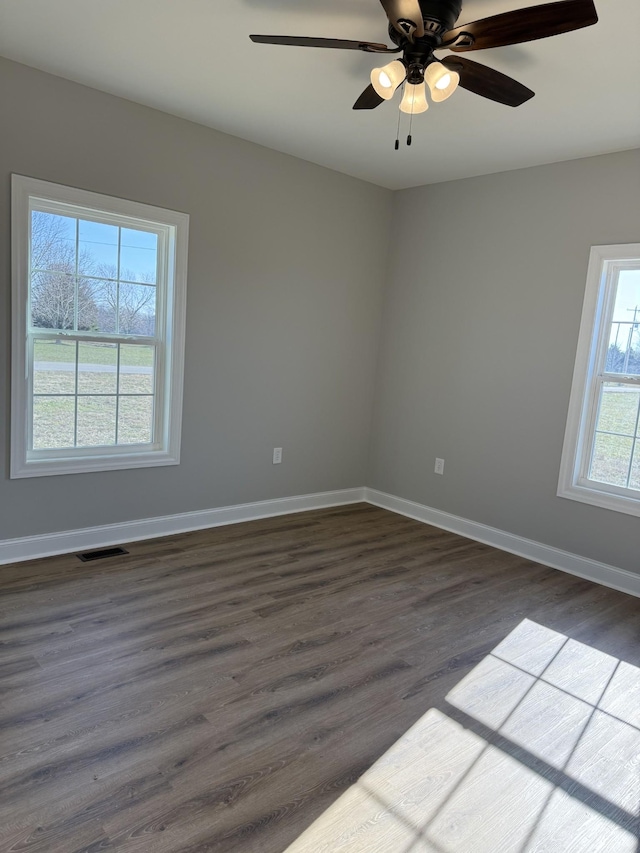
(442, 12)
(438, 16)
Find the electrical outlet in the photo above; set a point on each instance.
(439, 469)
(277, 455)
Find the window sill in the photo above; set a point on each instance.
(600, 498)
(89, 464)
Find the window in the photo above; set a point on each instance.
(601, 455)
(98, 331)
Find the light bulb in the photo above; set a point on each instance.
(414, 99)
(441, 81)
(387, 79)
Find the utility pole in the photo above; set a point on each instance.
(632, 328)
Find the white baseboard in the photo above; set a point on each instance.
(70, 541)
(583, 567)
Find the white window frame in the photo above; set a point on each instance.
(173, 230)
(604, 264)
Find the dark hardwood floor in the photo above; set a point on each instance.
(217, 691)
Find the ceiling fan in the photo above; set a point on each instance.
(420, 27)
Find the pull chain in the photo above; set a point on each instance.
(397, 145)
(409, 139)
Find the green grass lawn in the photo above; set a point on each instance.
(65, 351)
(63, 382)
(54, 421)
(54, 415)
(619, 414)
(619, 411)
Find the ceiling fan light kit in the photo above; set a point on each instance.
(386, 80)
(420, 27)
(442, 82)
(414, 99)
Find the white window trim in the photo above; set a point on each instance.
(81, 460)
(582, 403)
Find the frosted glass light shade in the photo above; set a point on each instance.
(386, 80)
(415, 99)
(441, 81)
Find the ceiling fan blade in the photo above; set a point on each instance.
(405, 16)
(521, 25)
(341, 44)
(368, 100)
(488, 82)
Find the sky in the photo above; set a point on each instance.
(138, 249)
(627, 297)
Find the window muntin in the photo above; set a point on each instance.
(601, 456)
(99, 303)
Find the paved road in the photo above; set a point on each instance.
(91, 368)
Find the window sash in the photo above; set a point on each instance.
(162, 232)
(157, 395)
(583, 478)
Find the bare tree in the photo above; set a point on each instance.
(49, 243)
(56, 290)
(132, 298)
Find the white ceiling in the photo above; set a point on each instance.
(193, 58)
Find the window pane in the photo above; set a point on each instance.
(98, 249)
(618, 409)
(135, 420)
(623, 355)
(97, 368)
(96, 421)
(105, 298)
(138, 256)
(53, 422)
(137, 309)
(53, 242)
(89, 292)
(53, 300)
(611, 458)
(136, 369)
(627, 295)
(54, 367)
(634, 481)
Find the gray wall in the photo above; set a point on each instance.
(286, 270)
(287, 267)
(480, 329)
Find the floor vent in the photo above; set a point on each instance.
(99, 555)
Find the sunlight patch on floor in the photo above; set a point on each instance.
(562, 772)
